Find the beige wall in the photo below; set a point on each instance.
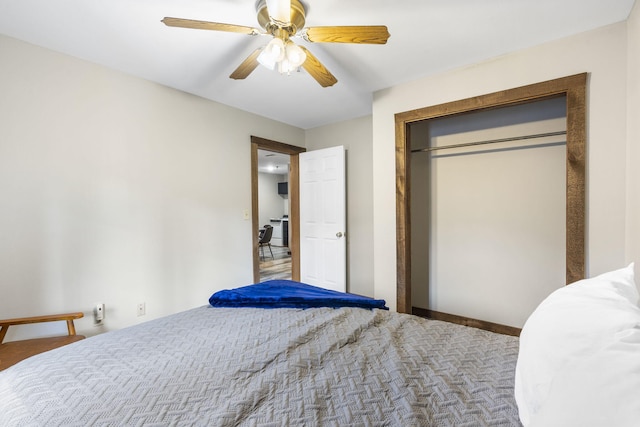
(355, 135)
(270, 203)
(633, 137)
(602, 53)
(114, 190)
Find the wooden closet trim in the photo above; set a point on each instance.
(574, 88)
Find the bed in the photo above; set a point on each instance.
(248, 366)
(319, 360)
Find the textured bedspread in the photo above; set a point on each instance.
(255, 367)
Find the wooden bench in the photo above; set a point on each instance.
(13, 352)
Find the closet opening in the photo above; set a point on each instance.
(490, 194)
(488, 210)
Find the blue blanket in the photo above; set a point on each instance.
(290, 294)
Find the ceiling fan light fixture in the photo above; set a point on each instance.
(272, 54)
(266, 61)
(275, 49)
(286, 55)
(294, 54)
(285, 67)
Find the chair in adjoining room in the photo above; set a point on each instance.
(13, 352)
(265, 240)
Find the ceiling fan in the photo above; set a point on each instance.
(283, 20)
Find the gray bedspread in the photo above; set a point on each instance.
(255, 367)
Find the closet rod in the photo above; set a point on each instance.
(491, 141)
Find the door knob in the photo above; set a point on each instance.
(339, 234)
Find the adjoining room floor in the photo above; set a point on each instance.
(278, 267)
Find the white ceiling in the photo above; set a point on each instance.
(273, 163)
(427, 37)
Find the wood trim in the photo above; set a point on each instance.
(278, 147)
(516, 96)
(467, 321)
(254, 211)
(403, 219)
(294, 225)
(574, 88)
(258, 143)
(576, 170)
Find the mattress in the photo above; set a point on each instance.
(270, 367)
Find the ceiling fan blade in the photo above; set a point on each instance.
(372, 34)
(317, 70)
(280, 11)
(206, 25)
(247, 66)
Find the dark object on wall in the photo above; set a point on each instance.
(283, 188)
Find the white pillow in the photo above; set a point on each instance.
(579, 358)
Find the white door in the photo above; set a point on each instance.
(322, 219)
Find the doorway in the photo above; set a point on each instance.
(293, 218)
(273, 215)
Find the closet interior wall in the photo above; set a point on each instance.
(488, 229)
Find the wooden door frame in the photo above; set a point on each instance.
(258, 143)
(574, 88)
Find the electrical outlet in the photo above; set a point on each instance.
(142, 309)
(98, 314)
